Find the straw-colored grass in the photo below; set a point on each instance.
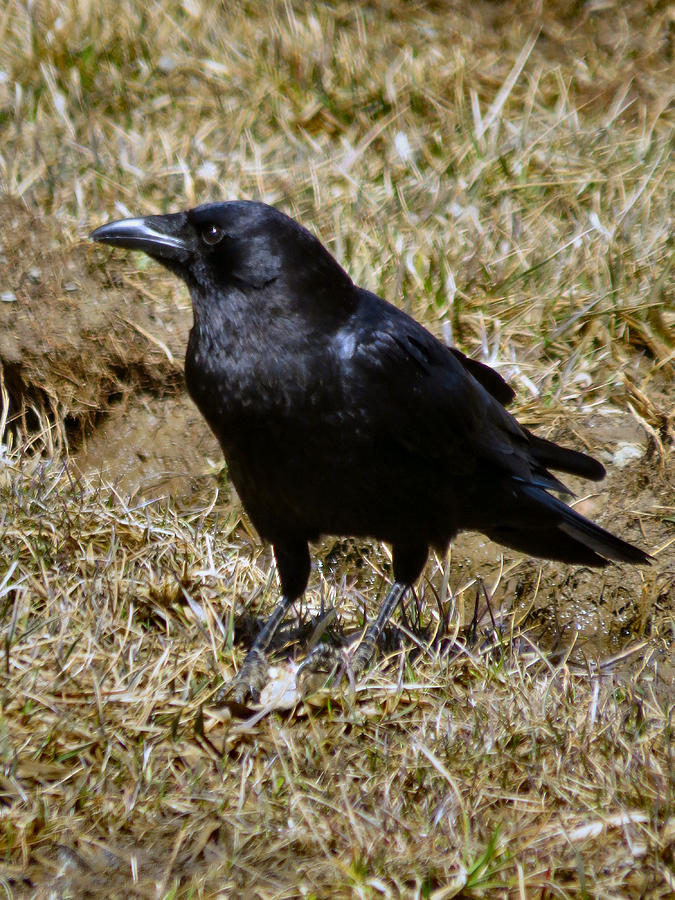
(502, 171)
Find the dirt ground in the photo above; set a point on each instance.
(501, 170)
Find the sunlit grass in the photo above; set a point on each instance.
(504, 175)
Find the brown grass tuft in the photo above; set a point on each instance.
(503, 171)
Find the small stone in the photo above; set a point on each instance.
(7, 297)
(35, 274)
(166, 63)
(71, 287)
(626, 453)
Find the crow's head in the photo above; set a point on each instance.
(242, 244)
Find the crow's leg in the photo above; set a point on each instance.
(408, 561)
(293, 565)
(252, 677)
(327, 659)
(366, 648)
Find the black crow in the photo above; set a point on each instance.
(339, 414)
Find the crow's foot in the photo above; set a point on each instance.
(249, 680)
(337, 663)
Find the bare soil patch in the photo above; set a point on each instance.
(74, 338)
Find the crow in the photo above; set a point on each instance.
(339, 414)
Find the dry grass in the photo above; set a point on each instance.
(506, 175)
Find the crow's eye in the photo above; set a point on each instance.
(212, 234)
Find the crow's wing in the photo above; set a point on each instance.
(492, 381)
(439, 404)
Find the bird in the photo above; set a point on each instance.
(340, 414)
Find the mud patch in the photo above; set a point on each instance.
(75, 332)
(154, 448)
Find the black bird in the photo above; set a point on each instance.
(339, 414)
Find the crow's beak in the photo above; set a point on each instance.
(143, 234)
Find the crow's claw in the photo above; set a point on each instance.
(248, 682)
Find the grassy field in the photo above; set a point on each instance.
(505, 174)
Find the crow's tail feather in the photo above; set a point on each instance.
(546, 527)
(562, 459)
